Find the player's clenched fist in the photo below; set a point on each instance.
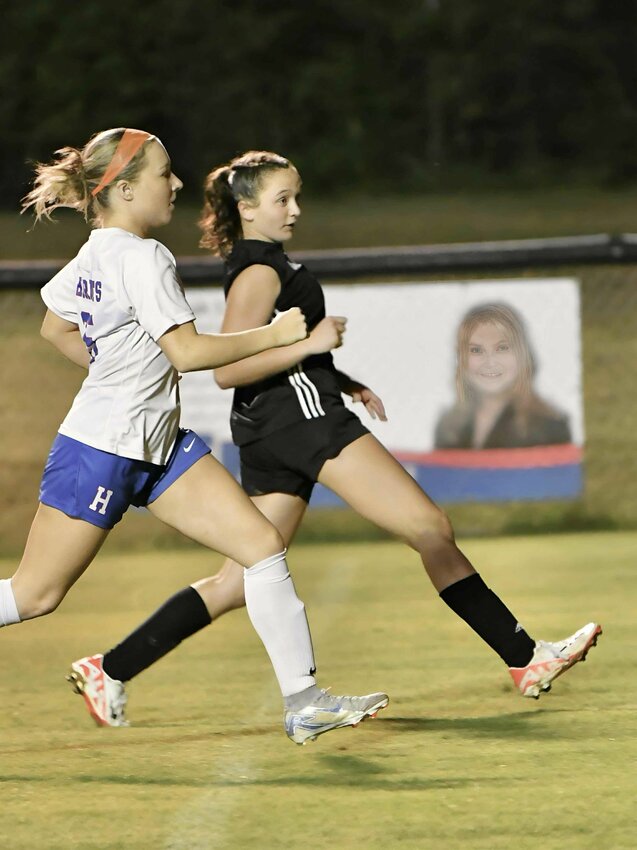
(328, 334)
(289, 327)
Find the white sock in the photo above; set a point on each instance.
(278, 616)
(8, 608)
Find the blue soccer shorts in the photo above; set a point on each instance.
(96, 486)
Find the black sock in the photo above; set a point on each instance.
(179, 617)
(489, 617)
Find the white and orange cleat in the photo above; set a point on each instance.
(105, 698)
(550, 660)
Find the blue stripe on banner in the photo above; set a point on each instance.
(500, 485)
(456, 484)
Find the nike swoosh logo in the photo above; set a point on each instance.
(190, 445)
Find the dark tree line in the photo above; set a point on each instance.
(391, 94)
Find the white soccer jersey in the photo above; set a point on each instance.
(123, 293)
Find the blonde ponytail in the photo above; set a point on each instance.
(73, 175)
(61, 183)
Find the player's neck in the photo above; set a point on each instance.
(125, 222)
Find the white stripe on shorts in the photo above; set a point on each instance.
(307, 394)
(313, 390)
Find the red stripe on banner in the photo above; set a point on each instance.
(534, 456)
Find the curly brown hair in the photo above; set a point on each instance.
(240, 180)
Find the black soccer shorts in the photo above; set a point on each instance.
(290, 459)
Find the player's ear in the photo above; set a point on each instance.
(246, 210)
(124, 189)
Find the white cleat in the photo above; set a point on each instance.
(105, 698)
(329, 712)
(550, 660)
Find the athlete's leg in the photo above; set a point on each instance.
(58, 550)
(207, 505)
(276, 612)
(377, 487)
(369, 479)
(194, 607)
(224, 591)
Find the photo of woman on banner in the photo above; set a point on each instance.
(497, 406)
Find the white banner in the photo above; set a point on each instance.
(401, 341)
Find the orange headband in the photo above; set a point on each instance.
(127, 147)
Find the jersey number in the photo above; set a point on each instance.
(87, 323)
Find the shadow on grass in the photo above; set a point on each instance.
(518, 725)
(353, 772)
(341, 769)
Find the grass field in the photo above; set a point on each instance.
(457, 760)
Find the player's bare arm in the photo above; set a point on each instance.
(190, 351)
(65, 336)
(361, 393)
(250, 304)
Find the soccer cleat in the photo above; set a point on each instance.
(550, 660)
(105, 698)
(329, 712)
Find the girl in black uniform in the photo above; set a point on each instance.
(292, 429)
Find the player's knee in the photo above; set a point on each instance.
(432, 527)
(263, 541)
(271, 542)
(39, 604)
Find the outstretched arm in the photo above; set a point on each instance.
(65, 336)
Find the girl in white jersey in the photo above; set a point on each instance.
(292, 428)
(118, 309)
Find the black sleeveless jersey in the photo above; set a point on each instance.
(306, 391)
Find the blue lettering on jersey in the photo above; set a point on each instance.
(90, 289)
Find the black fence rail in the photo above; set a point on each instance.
(354, 262)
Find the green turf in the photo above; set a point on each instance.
(457, 760)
